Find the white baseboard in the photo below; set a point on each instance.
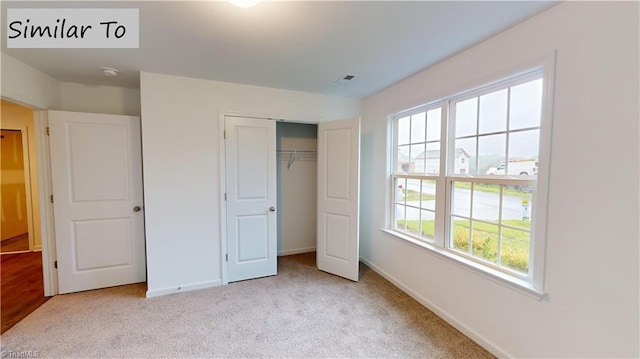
(183, 288)
(296, 251)
(475, 336)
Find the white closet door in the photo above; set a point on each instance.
(338, 197)
(97, 185)
(250, 150)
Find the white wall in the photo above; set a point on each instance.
(180, 142)
(24, 84)
(297, 188)
(100, 99)
(592, 244)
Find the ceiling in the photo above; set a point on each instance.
(296, 45)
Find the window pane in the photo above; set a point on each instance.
(514, 252)
(486, 202)
(403, 159)
(485, 241)
(428, 224)
(404, 130)
(412, 216)
(400, 186)
(399, 222)
(493, 112)
(491, 152)
(523, 153)
(432, 160)
(461, 199)
(418, 127)
(412, 192)
(465, 156)
(413, 221)
(418, 164)
(417, 158)
(466, 117)
(517, 206)
(460, 234)
(428, 195)
(526, 105)
(434, 119)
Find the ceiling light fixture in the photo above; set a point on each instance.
(244, 3)
(110, 71)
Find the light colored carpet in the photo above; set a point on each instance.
(301, 312)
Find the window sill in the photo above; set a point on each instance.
(519, 285)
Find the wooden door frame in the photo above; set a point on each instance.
(223, 114)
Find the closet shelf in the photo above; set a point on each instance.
(294, 155)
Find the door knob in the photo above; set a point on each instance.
(272, 209)
(137, 208)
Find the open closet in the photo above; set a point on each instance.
(289, 188)
(297, 169)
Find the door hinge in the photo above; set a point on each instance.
(224, 134)
(225, 196)
(51, 198)
(226, 257)
(55, 264)
(48, 131)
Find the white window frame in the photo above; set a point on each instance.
(531, 283)
(439, 178)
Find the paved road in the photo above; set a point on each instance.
(485, 204)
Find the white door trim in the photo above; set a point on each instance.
(47, 235)
(221, 193)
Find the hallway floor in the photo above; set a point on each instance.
(22, 289)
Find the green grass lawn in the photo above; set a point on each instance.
(494, 188)
(515, 243)
(411, 195)
(413, 226)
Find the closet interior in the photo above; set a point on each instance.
(296, 145)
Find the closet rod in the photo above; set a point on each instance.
(296, 151)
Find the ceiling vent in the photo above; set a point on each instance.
(344, 79)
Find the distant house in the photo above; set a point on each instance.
(405, 164)
(429, 162)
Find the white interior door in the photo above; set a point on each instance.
(250, 151)
(338, 197)
(97, 188)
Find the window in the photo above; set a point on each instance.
(465, 176)
(417, 153)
